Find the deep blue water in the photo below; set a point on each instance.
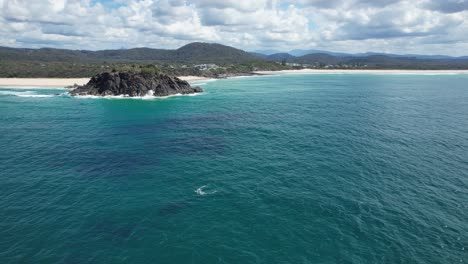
(276, 169)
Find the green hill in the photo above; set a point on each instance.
(194, 53)
(49, 62)
(212, 53)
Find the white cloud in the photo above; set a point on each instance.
(240, 5)
(401, 26)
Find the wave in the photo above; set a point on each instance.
(149, 96)
(202, 82)
(38, 95)
(201, 192)
(26, 94)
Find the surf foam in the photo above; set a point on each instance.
(148, 96)
(200, 191)
(26, 94)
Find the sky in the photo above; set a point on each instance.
(351, 26)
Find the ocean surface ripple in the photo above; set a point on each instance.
(277, 169)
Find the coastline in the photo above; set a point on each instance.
(193, 78)
(41, 82)
(51, 83)
(320, 71)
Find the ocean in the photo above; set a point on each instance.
(326, 168)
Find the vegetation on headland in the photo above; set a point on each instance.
(14, 69)
(197, 59)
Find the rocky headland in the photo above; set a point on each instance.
(134, 85)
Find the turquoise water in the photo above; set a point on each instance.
(276, 169)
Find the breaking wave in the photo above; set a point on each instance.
(27, 94)
(200, 191)
(149, 96)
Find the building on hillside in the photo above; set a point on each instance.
(205, 67)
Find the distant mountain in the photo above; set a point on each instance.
(192, 53)
(280, 57)
(18, 61)
(300, 52)
(267, 52)
(136, 54)
(259, 55)
(384, 62)
(319, 58)
(44, 54)
(418, 56)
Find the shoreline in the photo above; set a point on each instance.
(321, 71)
(62, 83)
(194, 78)
(41, 82)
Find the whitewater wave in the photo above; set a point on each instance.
(200, 191)
(202, 82)
(35, 94)
(27, 94)
(38, 95)
(148, 96)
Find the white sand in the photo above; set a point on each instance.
(41, 82)
(61, 82)
(317, 71)
(193, 78)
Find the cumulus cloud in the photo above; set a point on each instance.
(448, 6)
(329, 4)
(400, 20)
(244, 6)
(403, 26)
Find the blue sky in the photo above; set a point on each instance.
(112, 4)
(394, 26)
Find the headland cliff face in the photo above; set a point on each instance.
(134, 85)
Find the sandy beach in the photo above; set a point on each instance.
(41, 82)
(193, 78)
(63, 82)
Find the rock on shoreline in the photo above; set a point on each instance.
(134, 84)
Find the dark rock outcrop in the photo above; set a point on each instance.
(134, 84)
